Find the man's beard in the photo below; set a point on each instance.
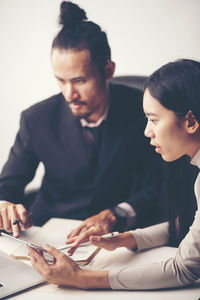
(77, 114)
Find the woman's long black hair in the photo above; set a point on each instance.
(176, 86)
(178, 202)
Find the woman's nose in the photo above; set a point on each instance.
(148, 131)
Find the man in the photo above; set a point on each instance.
(98, 164)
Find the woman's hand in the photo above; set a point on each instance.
(125, 239)
(64, 271)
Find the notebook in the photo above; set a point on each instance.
(16, 276)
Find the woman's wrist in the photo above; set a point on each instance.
(128, 240)
(86, 279)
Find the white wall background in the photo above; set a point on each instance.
(143, 35)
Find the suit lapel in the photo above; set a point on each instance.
(112, 137)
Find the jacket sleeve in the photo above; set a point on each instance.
(180, 270)
(20, 167)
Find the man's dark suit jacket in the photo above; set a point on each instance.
(127, 170)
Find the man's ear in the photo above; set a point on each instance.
(192, 124)
(109, 70)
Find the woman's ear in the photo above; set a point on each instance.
(192, 124)
(109, 70)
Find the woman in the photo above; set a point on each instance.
(172, 106)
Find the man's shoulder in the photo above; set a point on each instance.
(46, 105)
(120, 91)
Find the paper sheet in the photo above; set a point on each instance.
(54, 233)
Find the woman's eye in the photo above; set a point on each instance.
(152, 121)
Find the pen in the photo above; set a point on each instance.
(19, 220)
(88, 243)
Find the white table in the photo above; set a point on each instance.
(51, 292)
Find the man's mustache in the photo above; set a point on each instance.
(75, 101)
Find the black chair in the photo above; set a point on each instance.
(137, 82)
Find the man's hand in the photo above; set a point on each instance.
(99, 224)
(9, 213)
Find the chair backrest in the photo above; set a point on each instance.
(132, 81)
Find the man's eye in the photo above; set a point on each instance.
(60, 80)
(80, 80)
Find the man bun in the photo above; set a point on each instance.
(78, 33)
(71, 14)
